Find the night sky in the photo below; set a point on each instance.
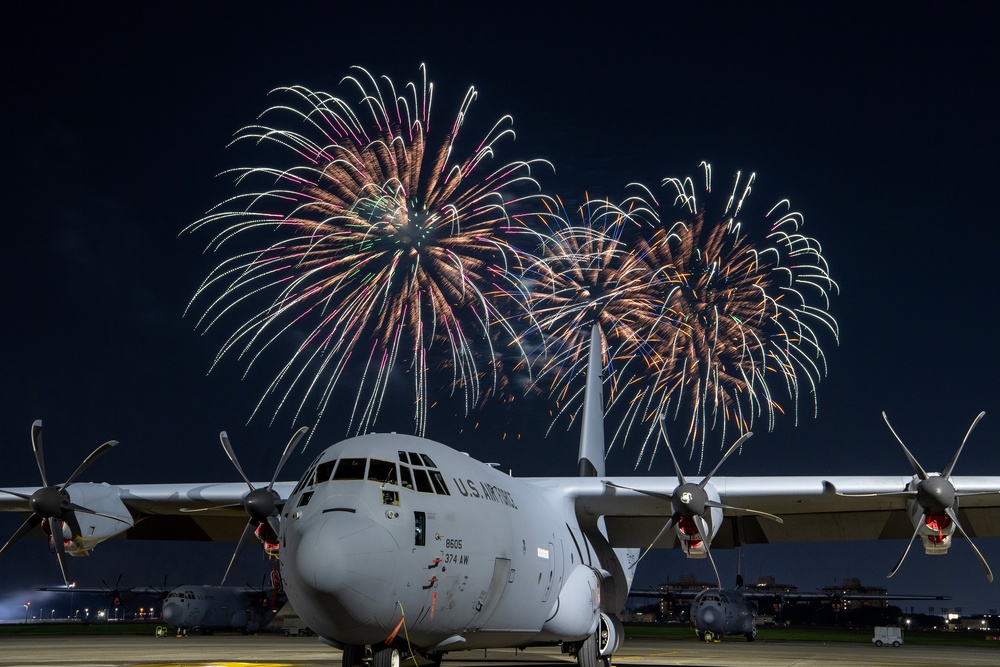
(879, 121)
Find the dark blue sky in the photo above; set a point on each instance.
(879, 121)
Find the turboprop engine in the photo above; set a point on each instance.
(932, 504)
(696, 507)
(107, 517)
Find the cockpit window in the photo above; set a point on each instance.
(439, 484)
(423, 481)
(415, 459)
(403, 458)
(427, 461)
(383, 472)
(350, 469)
(306, 479)
(324, 471)
(406, 479)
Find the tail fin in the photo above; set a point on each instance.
(591, 462)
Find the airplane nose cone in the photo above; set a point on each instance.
(708, 617)
(349, 562)
(172, 613)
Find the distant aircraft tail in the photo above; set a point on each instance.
(591, 461)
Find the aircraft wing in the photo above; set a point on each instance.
(636, 508)
(818, 596)
(198, 512)
(133, 591)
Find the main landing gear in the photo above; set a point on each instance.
(380, 655)
(593, 651)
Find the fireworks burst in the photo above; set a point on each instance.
(585, 274)
(377, 243)
(698, 320)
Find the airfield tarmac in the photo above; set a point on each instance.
(272, 651)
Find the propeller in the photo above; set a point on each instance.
(261, 504)
(691, 501)
(934, 493)
(114, 592)
(52, 505)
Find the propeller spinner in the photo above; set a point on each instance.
(52, 504)
(690, 501)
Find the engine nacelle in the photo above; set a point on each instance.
(578, 607)
(936, 532)
(95, 529)
(691, 541)
(610, 635)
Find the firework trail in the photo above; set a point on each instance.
(376, 242)
(698, 320)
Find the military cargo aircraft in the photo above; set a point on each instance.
(717, 612)
(393, 546)
(202, 608)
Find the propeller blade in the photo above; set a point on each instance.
(736, 445)
(963, 494)
(982, 561)
(94, 455)
(289, 448)
(666, 441)
(188, 510)
(705, 538)
(917, 469)
(663, 531)
(828, 487)
(248, 530)
(16, 494)
(772, 517)
(272, 521)
(25, 528)
(87, 510)
(36, 445)
(224, 437)
(951, 466)
(55, 527)
(909, 544)
(651, 494)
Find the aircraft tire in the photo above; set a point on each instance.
(586, 653)
(387, 656)
(752, 635)
(353, 655)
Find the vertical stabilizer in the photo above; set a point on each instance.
(591, 463)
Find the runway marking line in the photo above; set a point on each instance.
(217, 664)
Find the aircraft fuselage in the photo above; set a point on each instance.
(716, 613)
(217, 608)
(406, 535)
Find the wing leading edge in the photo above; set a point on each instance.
(813, 508)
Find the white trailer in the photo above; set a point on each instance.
(888, 634)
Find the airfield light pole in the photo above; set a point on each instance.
(27, 608)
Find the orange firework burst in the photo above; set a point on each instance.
(378, 244)
(698, 319)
